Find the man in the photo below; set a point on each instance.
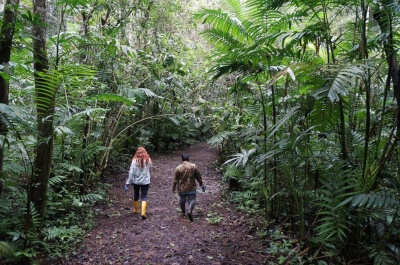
(185, 178)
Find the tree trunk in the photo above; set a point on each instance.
(6, 38)
(384, 19)
(108, 139)
(45, 109)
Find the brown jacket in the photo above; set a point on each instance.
(185, 177)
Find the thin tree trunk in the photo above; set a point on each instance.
(342, 130)
(384, 19)
(108, 139)
(6, 38)
(262, 100)
(275, 165)
(364, 55)
(45, 111)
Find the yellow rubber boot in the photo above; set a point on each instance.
(144, 205)
(135, 206)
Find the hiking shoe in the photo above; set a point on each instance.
(190, 216)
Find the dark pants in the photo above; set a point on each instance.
(143, 195)
(190, 198)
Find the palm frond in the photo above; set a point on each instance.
(221, 39)
(224, 22)
(266, 4)
(276, 150)
(241, 158)
(46, 86)
(382, 200)
(282, 121)
(342, 79)
(47, 83)
(63, 130)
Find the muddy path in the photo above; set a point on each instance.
(218, 235)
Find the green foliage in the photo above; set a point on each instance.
(297, 87)
(304, 77)
(62, 233)
(219, 139)
(382, 200)
(241, 158)
(120, 76)
(335, 221)
(6, 250)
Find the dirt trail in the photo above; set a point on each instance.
(121, 237)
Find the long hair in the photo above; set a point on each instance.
(141, 157)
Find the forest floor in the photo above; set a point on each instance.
(219, 234)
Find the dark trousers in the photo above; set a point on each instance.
(189, 198)
(143, 189)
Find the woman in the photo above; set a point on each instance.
(139, 176)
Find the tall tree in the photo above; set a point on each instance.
(6, 38)
(385, 15)
(44, 100)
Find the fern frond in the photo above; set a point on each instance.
(79, 200)
(220, 138)
(6, 250)
(5, 205)
(357, 138)
(62, 233)
(56, 180)
(53, 232)
(334, 224)
(93, 197)
(70, 168)
(35, 217)
(93, 149)
(233, 171)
